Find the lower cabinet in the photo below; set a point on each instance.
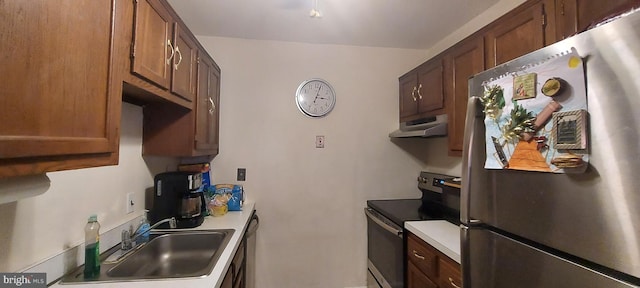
(416, 278)
(235, 276)
(429, 268)
(228, 280)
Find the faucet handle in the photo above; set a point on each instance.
(126, 244)
(172, 223)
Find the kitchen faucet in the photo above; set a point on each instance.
(127, 238)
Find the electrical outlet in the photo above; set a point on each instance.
(130, 205)
(319, 141)
(242, 174)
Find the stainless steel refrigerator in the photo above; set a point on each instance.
(531, 229)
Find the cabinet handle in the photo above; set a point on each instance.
(213, 106)
(419, 95)
(175, 65)
(453, 284)
(415, 253)
(413, 94)
(173, 51)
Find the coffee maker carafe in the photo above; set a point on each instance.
(178, 194)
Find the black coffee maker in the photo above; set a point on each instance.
(178, 194)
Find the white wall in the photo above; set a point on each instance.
(310, 201)
(36, 228)
(313, 231)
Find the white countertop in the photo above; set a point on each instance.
(237, 220)
(440, 234)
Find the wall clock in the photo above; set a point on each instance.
(315, 98)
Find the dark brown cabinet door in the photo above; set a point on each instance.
(574, 16)
(154, 48)
(429, 90)
(207, 107)
(421, 92)
(185, 67)
(449, 274)
(227, 282)
(408, 98)
(465, 60)
(416, 279)
(60, 106)
(516, 35)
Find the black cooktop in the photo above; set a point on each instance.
(401, 210)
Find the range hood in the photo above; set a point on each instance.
(426, 127)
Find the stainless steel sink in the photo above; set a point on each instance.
(166, 255)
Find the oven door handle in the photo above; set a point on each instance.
(372, 216)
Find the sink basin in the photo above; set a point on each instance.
(166, 255)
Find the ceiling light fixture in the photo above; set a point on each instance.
(315, 12)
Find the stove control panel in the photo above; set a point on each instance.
(432, 181)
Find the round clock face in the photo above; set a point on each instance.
(315, 98)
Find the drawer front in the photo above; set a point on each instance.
(422, 256)
(417, 279)
(450, 276)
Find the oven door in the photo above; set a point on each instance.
(384, 251)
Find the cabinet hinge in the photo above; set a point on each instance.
(133, 50)
(544, 19)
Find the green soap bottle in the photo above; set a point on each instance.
(92, 248)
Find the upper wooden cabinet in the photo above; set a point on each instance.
(61, 101)
(574, 16)
(429, 268)
(176, 70)
(461, 62)
(207, 108)
(530, 26)
(421, 93)
(169, 131)
(163, 52)
(515, 35)
(185, 64)
(153, 46)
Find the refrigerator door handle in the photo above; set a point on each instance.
(474, 112)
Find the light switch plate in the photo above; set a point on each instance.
(242, 174)
(130, 205)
